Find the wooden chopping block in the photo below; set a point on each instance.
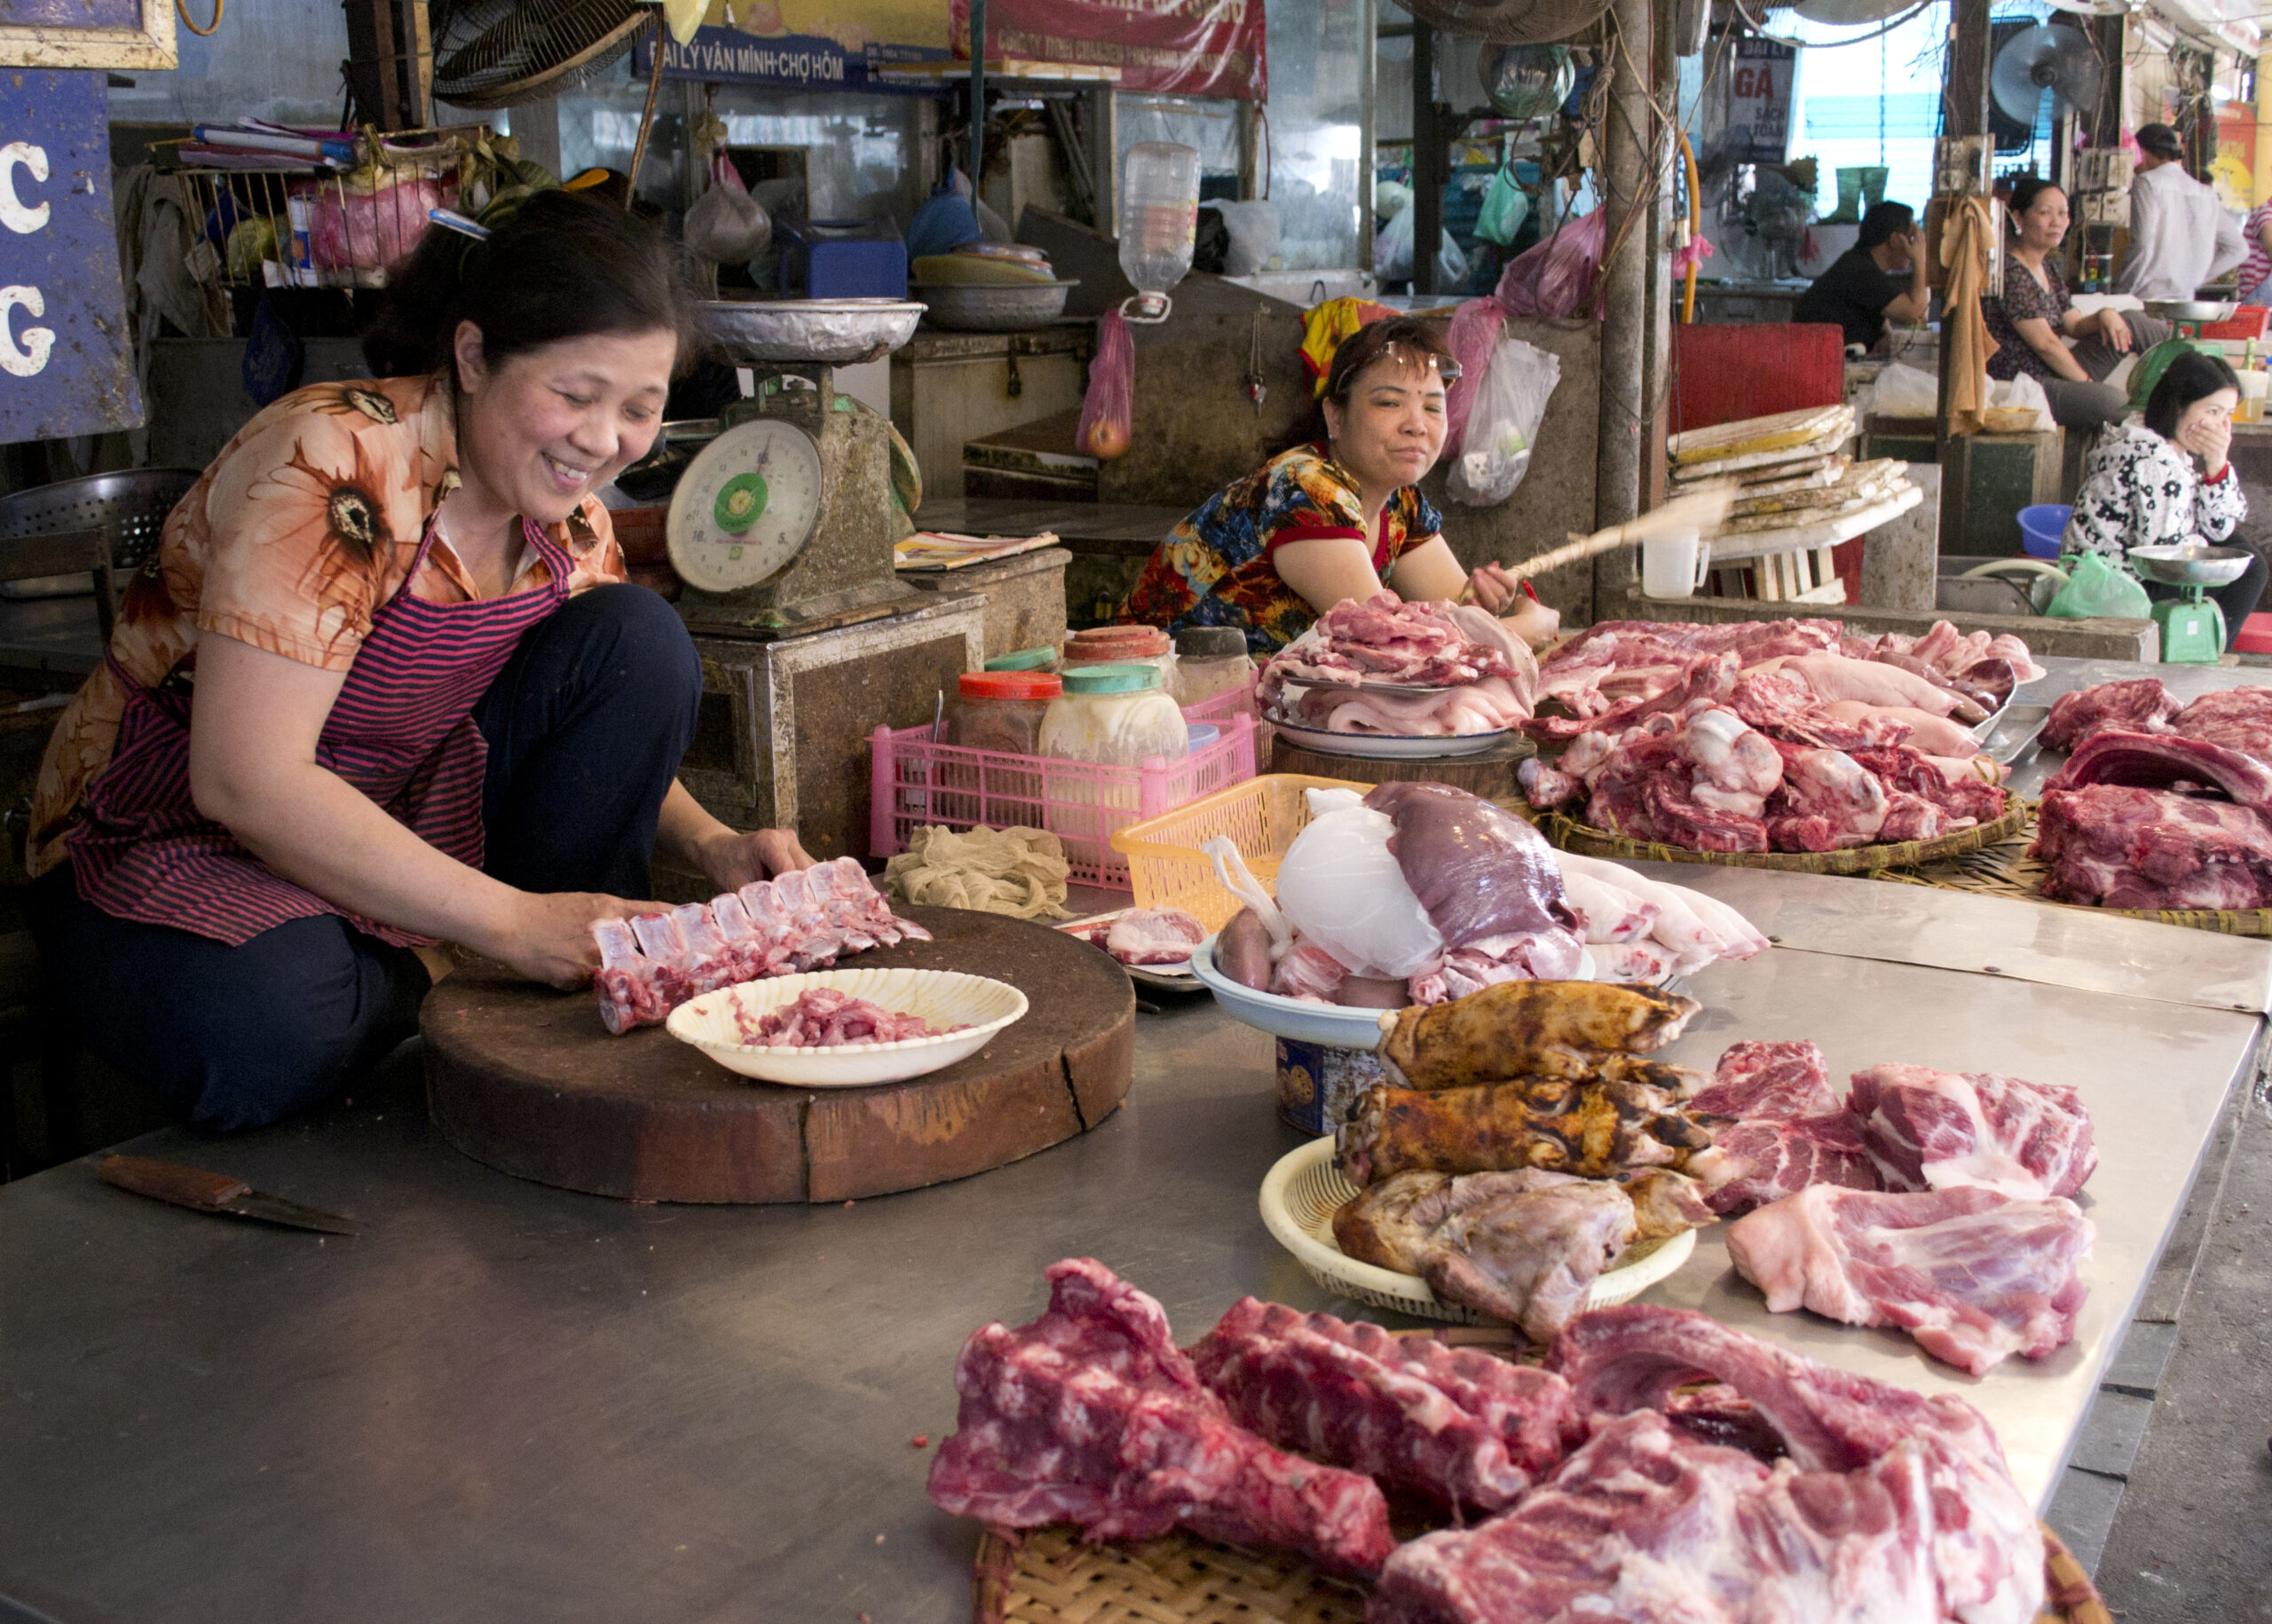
(527, 1080)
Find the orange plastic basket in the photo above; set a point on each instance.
(1166, 868)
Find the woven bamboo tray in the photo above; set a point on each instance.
(2005, 869)
(1572, 835)
(1049, 1577)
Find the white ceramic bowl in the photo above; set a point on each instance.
(944, 997)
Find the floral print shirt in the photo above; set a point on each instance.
(1215, 568)
(2024, 299)
(2139, 490)
(301, 530)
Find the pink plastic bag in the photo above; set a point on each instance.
(1474, 334)
(369, 229)
(1560, 276)
(1108, 409)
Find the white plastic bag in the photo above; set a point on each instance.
(1509, 406)
(2023, 393)
(1904, 391)
(1343, 890)
(1392, 253)
(726, 225)
(1254, 229)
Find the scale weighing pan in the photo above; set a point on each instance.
(818, 332)
(2191, 566)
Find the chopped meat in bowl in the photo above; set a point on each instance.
(847, 1028)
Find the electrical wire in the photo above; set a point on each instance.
(182, 11)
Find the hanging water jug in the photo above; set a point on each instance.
(1159, 212)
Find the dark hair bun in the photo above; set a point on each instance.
(557, 265)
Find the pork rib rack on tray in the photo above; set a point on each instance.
(1606, 1485)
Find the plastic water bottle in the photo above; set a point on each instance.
(1159, 215)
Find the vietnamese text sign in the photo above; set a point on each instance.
(1759, 100)
(810, 44)
(66, 365)
(1168, 47)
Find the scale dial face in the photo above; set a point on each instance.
(746, 506)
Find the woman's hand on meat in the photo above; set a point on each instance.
(734, 857)
(547, 936)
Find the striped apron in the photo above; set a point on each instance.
(401, 730)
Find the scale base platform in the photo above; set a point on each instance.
(2192, 629)
(754, 617)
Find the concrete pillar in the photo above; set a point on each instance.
(1629, 189)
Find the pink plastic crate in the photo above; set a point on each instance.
(916, 782)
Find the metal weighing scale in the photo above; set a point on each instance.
(2192, 626)
(781, 529)
(783, 524)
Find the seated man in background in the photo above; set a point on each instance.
(1881, 279)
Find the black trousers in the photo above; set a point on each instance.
(586, 726)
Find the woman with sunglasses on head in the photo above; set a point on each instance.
(1333, 518)
(382, 686)
(2165, 480)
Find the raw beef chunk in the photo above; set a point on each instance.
(2139, 706)
(2121, 848)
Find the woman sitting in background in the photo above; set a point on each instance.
(2165, 482)
(2039, 331)
(1336, 517)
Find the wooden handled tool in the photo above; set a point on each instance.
(202, 1190)
(1701, 510)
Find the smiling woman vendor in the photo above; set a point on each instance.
(382, 686)
(1332, 519)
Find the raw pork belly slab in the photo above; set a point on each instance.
(1940, 1130)
(1093, 1415)
(1790, 1130)
(801, 920)
(1972, 1274)
(1885, 1506)
(1464, 1428)
(2166, 761)
(2118, 848)
(2141, 705)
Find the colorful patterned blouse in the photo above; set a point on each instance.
(2141, 490)
(2024, 299)
(300, 529)
(1214, 569)
(2256, 270)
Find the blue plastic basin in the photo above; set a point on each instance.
(2041, 528)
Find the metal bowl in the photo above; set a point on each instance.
(130, 507)
(2191, 309)
(828, 332)
(995, 307)
(2191, 566)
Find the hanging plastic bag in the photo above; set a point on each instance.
(726, 225)
(1509, 406)
(1560, 276)
(1392, 253)
(1109, 407)
(2097, 587)
(1505, 206)
(1474, 334)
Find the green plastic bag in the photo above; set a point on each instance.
(2097, 587)
(1505, 206)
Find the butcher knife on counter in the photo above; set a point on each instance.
(202, 1191)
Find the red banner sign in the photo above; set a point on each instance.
(1170, 47)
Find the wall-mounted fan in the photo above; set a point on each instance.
(2046, 57)
(500, 53)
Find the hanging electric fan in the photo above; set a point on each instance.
(500, 53)
(1851, 13)
(1525, 81)
(2046, 57)
(1508, 22)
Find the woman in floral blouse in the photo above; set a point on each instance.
(2038, 331)
(1333, 518)
(2164, 481)
(382, 686)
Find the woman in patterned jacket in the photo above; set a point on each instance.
(2166, 480)
(382, 685)
(1333, 518)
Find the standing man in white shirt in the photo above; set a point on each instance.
(2179, 235)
